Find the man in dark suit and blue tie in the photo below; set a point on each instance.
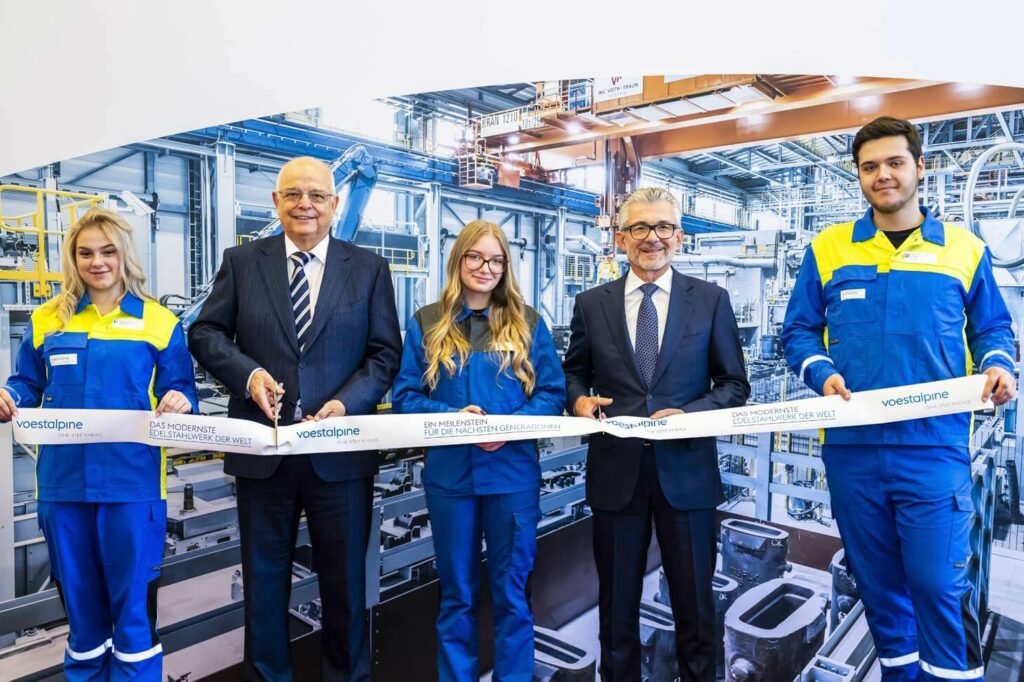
(654, 343)
(305, 324)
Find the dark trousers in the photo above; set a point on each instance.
(688, 553)
(338, 517)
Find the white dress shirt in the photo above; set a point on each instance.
(660, 298)
(314, 269)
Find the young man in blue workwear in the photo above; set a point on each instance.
(891, 299)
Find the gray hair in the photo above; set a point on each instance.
(649, 195)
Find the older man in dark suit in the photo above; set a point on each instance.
(654, 343)
(306, 324)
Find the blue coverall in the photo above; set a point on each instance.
(472, 492)
(102, 506)
(901, 493)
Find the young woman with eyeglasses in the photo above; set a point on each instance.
(480, 349)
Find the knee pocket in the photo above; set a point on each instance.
(524, 511)
(524, 545)
(960, 529)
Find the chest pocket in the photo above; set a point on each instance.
(65, 355)
(853, 295)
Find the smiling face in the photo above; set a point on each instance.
(649, 258)
(888, 174)
(98, 262)
(304, 219)
(476, 275)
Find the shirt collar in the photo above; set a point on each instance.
(130, 304)
(319, 251)
(467, 311)
(664, 282)
(931, 229)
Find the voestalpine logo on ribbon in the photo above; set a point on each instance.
(915, 398)
(347, 434)
(63, 430)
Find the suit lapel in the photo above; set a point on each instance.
(680, 306)
(273, 265)
(332, 286)
(615, 312)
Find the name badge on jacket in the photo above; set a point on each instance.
(920, 257)
(65, 359)
(851, 294)
(132, 323)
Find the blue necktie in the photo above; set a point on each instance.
(299, 287)
(646, 348)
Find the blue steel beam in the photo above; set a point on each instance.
(292, 139)
(695, 225)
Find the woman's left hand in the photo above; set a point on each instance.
(490, 447)
(173, 402)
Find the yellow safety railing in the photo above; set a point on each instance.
(34, 224)
(405, 260)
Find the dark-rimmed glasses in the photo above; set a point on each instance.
(474, 261)
(643, 230)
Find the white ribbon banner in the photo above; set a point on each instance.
(382, 432)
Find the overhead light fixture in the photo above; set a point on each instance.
(513, 139)
(135, 204)
(845, 80)
(573, 127)
(969, 87)
(871, 102)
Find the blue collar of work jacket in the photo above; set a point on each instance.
(130, 304)
(931, 229)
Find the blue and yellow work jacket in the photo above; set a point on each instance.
(468, 469)
(125, 360)
(883, 317)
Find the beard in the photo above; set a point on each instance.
(891, 208)
(904, 197)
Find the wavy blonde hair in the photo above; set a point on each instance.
(119, 232)
(444, 341)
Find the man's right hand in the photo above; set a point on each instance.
(836, 385)
(7, 406)
(265, 392)
(589, 406)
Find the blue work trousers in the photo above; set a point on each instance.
(905, 514)
(105, 560)
(508, 521)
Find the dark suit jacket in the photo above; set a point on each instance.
(700, 367)
(351, 355)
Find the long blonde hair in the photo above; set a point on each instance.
(444, 340)
(119, 232)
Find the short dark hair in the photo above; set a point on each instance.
(888, 126)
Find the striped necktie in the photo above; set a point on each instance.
(299, 287)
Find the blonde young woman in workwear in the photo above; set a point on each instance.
(103, 343)
(480, 349)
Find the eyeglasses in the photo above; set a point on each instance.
(474, 261)
(643, 230)
(316, 196)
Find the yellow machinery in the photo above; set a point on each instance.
(34, 224)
